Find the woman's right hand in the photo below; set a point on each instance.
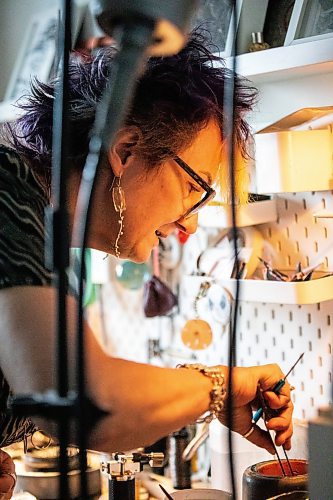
(7, 475)
(246, 382)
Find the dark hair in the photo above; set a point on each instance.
(174, 99)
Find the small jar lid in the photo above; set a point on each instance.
(257, 37)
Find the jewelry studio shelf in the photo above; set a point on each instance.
(249, 214)
(319, 289)
(285, 63)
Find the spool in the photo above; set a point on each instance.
(265, 480)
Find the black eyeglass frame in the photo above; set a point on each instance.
(210, 192)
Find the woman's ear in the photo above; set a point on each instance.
(121, 153)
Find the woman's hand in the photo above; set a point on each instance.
(7, 475)
(245, 400)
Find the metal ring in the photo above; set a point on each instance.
(249, 432)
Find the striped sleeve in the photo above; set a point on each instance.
(22, 203)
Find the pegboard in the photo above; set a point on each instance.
(118, 319)
(278, 333)
(267, 333)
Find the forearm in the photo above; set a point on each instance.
(145, 402)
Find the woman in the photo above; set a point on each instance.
(158, 172)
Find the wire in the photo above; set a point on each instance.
(229, 135)
(56, 250)
(111, 112)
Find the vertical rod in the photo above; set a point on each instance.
(288, 461)
(276, 452)
(60, 238)
(229, 137)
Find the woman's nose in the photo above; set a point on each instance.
(188, 224)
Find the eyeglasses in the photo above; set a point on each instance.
(208, 194)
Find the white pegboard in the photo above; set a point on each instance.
(267, 333)
(119, 319)
(278, 333)
(298, 236)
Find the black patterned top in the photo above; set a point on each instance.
(22, 202)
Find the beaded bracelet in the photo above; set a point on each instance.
(217, 394)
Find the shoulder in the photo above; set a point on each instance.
(14, 169)
(11, 164)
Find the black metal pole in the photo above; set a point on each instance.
(229, 136)
(59, 250)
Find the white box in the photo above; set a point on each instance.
(294, 160)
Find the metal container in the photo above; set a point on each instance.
(47, 460)
(265, 480)
(45, 485)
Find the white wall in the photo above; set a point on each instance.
(14, 17)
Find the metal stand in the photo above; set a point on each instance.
(121, 471)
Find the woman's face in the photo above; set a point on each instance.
(156, 198)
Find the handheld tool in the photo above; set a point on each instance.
(277, 387)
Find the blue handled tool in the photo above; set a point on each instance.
(258, 414)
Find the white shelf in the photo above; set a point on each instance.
(280, 292)
(282, 63)
(257, 212)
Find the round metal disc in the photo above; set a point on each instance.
(197, 334)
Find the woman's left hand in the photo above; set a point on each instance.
(245, 400)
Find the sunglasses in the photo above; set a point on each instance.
(208, 193)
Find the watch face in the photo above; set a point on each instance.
(197, 334)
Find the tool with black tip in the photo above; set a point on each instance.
(276, 389)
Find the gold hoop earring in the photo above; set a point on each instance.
(119, 203)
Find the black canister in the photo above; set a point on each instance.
(122, 488)
(180, 471)
(265, 480)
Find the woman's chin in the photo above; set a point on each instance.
(140, 254)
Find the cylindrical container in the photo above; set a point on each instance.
(180, 471)
(47, 460)
(122, 489)
(265, 480)
(44, 485)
